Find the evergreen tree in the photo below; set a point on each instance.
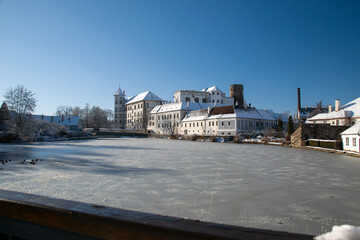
(4, 117)
(280, 126)
(290, 126)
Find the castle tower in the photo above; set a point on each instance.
(237, 92)
(119, 109)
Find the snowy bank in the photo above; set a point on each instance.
(344, 232)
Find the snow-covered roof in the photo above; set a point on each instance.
(145, 96)
(354, 107)
(351, 109)
(354, 130)
(220, 116)
(284, 117)
(119, 92)
(168, 107)
(196, 115)
(66, 120)
(252, 113)
(213, 89)
(333, 115)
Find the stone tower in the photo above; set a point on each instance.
(119, 109)
(237, 92)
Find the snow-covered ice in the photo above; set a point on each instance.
(248, 185)
(344, 232)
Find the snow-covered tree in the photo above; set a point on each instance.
(21, 102)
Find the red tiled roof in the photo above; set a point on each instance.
(222, 110)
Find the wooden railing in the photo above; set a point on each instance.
(27, 216)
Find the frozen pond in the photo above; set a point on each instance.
(258, 186)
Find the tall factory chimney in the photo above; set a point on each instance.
(237, 92)
(299, 104)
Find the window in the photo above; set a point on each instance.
(196, 100)
(229, 123)
(201, 123)
(354, 142)
(217, 100)
(204, 100)
(187, 99)
(217, 93)
(147, 105)
(222, 123)
(347, 141)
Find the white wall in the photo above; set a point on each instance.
(352, 146)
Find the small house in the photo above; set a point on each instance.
(351, 138)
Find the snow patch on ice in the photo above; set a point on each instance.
(344, 232)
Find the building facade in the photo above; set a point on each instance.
(165, 118)
(226, 121)
(138, 109)
(351, 138)
(208, 95)
(347, 115)
(119, 109)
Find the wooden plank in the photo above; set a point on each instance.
(113, 223)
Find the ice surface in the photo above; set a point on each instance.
(344, 232)
(260, 186)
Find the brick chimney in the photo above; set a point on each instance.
(299, 103)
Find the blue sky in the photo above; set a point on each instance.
(73, 52)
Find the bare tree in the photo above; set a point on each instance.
(77, 111)
(86, 115)
(63, 110)
(168, 126)
(22, 103)
(20, 100)
(98, 117)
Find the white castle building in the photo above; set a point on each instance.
(226, 121)
(138, 109)
(119, 109)
(208, 112)
(132, 112)
(208, 95)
